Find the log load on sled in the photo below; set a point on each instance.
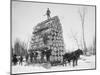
(48, 35)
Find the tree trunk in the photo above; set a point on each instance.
(84, 43)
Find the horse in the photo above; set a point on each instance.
(66, 57)
(74, 56)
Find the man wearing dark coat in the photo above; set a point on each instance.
(21, 60)
(48, 13)
(14, 59)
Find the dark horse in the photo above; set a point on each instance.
(74, 56)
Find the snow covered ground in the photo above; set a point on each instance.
(86, 62)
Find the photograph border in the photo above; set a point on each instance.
(51, 3)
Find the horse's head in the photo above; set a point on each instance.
(80, 51)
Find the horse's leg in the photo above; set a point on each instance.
(64, 62)
(69, 62)
(76, 62)
(42, 58)
(73, 63)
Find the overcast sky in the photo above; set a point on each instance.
(26, 15)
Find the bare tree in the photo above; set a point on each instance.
(17, 47)
(81, 44)
(20, 48)
(75, 38)
(82, 14)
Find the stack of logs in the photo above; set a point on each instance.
(49, 34)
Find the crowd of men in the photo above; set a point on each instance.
(32, 58)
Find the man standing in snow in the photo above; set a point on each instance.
(21, 60)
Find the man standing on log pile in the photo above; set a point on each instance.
(48, 13)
